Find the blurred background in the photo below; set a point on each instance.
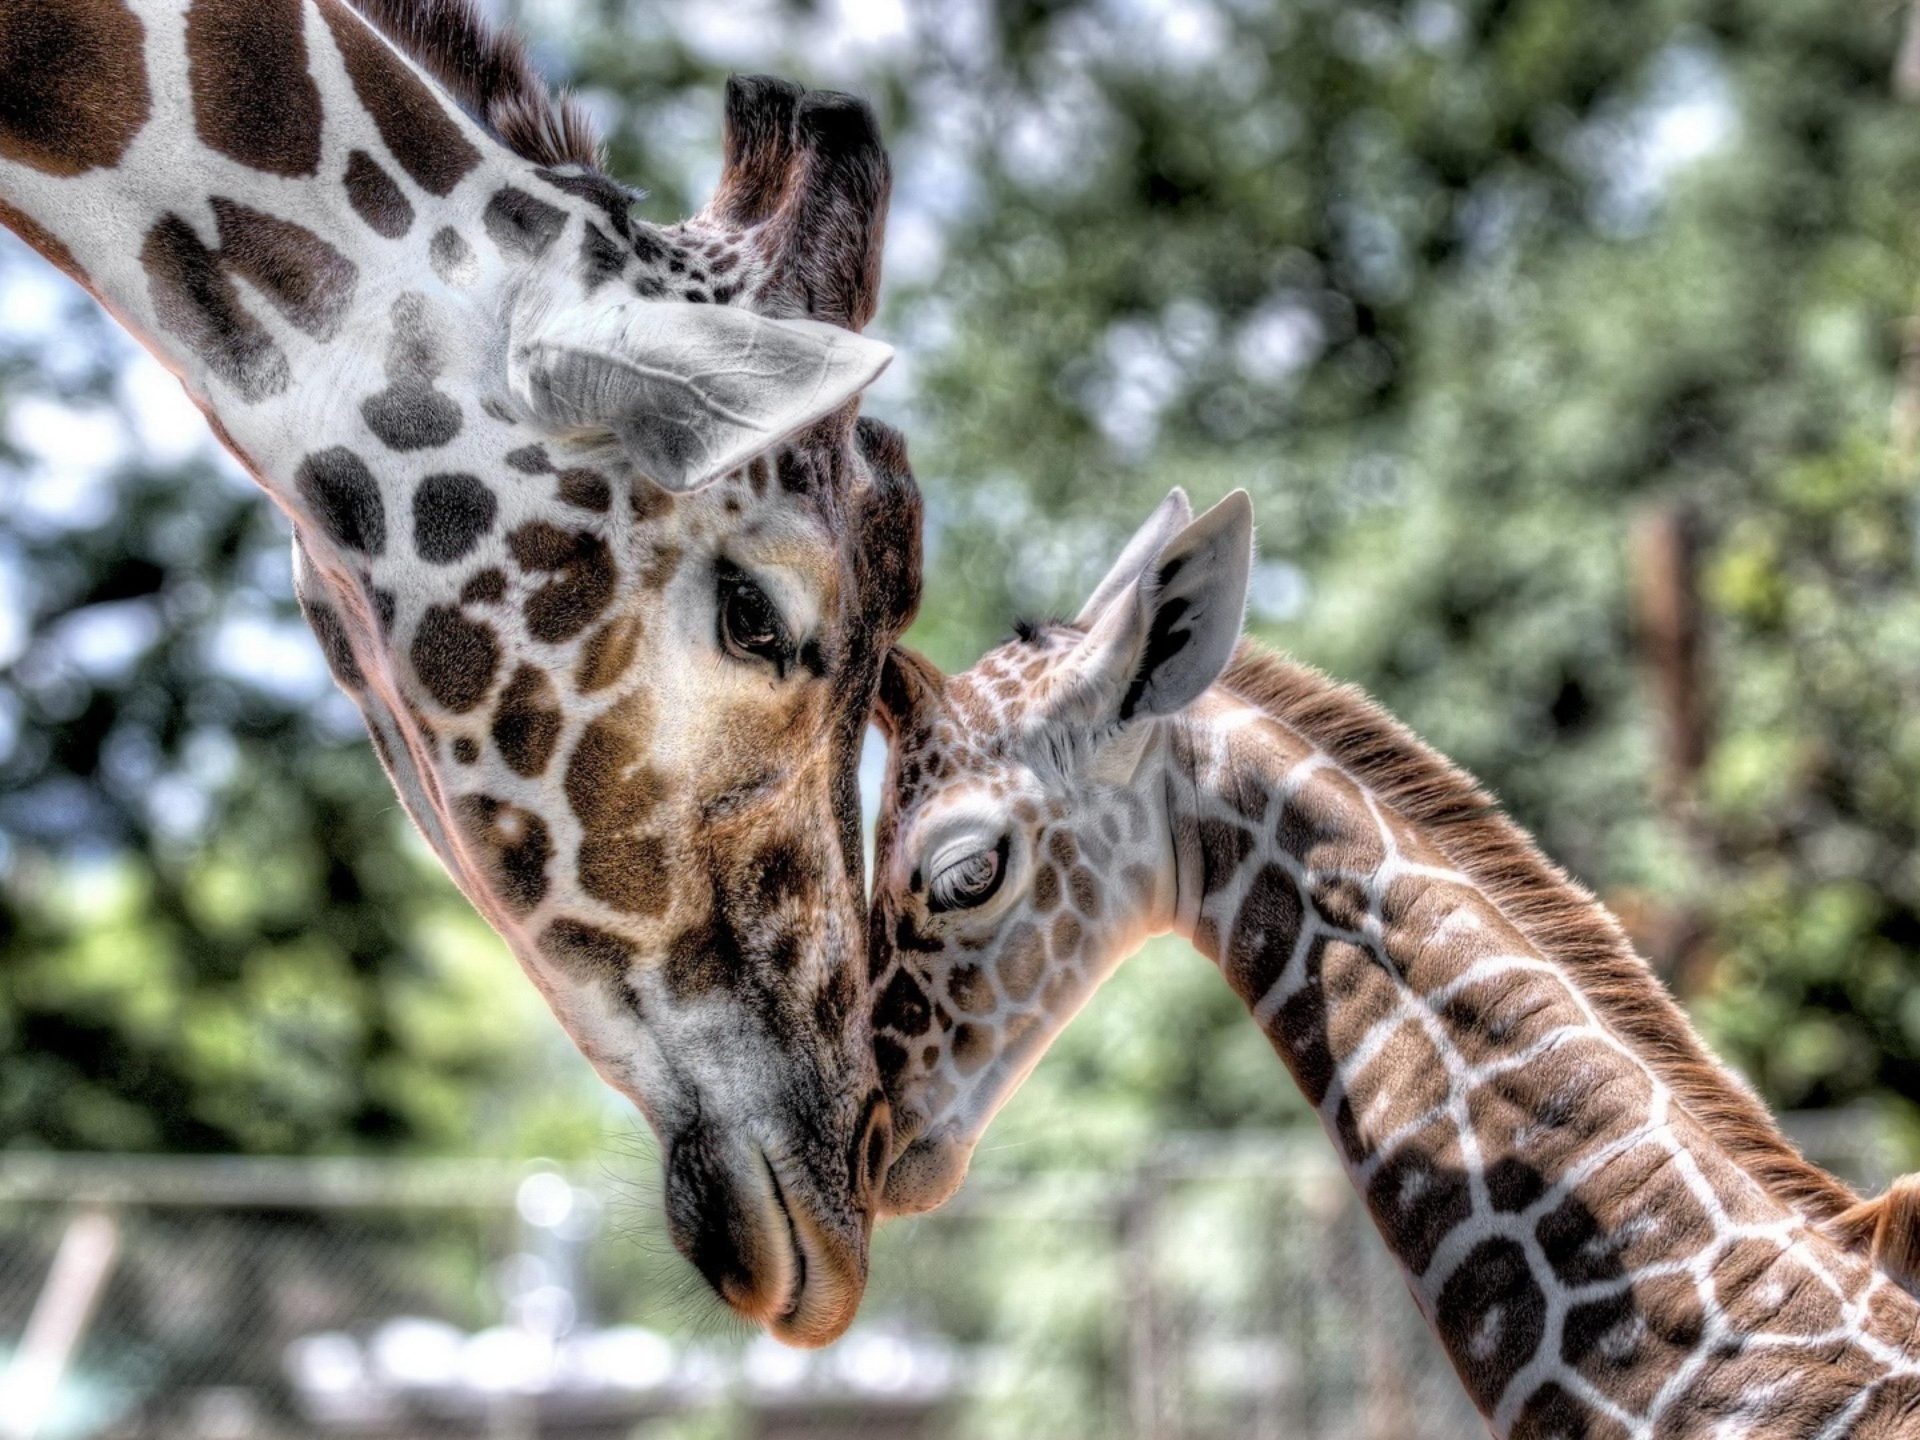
(1564, 350)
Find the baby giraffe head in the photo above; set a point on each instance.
(1024, 847)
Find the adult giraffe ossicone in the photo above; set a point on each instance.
(1606, 1228)
(582, 520)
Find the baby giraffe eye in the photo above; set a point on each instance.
(969, 881)
(750, 625)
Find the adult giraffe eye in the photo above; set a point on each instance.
(970, 881)
(750, 625)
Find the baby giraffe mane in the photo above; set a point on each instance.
(1549, 907)
(487, 71)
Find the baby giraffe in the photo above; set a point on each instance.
(1605, 1227)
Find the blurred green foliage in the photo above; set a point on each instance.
(1457, 288)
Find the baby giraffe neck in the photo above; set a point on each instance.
(1594, 1258)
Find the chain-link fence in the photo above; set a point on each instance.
(1228, 1289)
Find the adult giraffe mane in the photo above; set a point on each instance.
(486, 69)
(1552, 909)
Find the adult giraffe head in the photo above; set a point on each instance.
(582, 517)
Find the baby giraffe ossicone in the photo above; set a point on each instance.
(1606, 1228)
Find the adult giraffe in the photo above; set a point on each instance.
(582, 520)
(1605, 1227)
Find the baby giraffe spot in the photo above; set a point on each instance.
(1066, 937)
(972, 1047)
(455, 658)
(903, 1006)
(1022, 959)
(608, 653)
(1086, 894)
(661, 567)
(648, 502)
(1046, 889)
(345, 499)
(73, 84)
(1491, 1315)
(452, 258)
(1063, 849)
(582, 587)
(1263, 934)
(465, 750)
(526, 725)
(588, 954)
(521, 225)
(450, 515)
(512, 844)
(253, 98)
(375, 196)
(417, 126)
(971, 991)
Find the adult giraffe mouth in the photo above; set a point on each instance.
(798, 1288)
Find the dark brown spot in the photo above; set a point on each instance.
(415, 123)
(1490, 1316)
(608, 653)
(1066, 937)
(1046, 888)
(465, 750)
(451, 257)
(526, 724)
(1086, 895)
(609, 783)
(376, 198)
(970, 990)
(903, 1006)
(73, 84)
(586, 490)
(1022, 959)
(601, 258)
(334, 644)
(345, 499)
(253, 98)
(304, 277)
(628, 872)
(512, 844)
(530, 460)
(972, 1047)
(582, 587)
(196, 302)
(484, 587)
(455, 658)
(586, 952)
(1263, 934)
(450, 515)
(521, 225)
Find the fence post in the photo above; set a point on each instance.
(1146, 1360)
(75, 1281)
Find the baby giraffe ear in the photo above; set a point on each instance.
(1168, 634)
(1169, 518)
(689, 391)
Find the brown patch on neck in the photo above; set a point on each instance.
(487, 72)
(73, 84)
(1555, 913)
(254, 99)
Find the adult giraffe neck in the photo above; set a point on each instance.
(231, 179)
(1594, 1255)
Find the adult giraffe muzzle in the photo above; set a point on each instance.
(582, 519)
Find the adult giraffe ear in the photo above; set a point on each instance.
(689, 391)
(1168, 633)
